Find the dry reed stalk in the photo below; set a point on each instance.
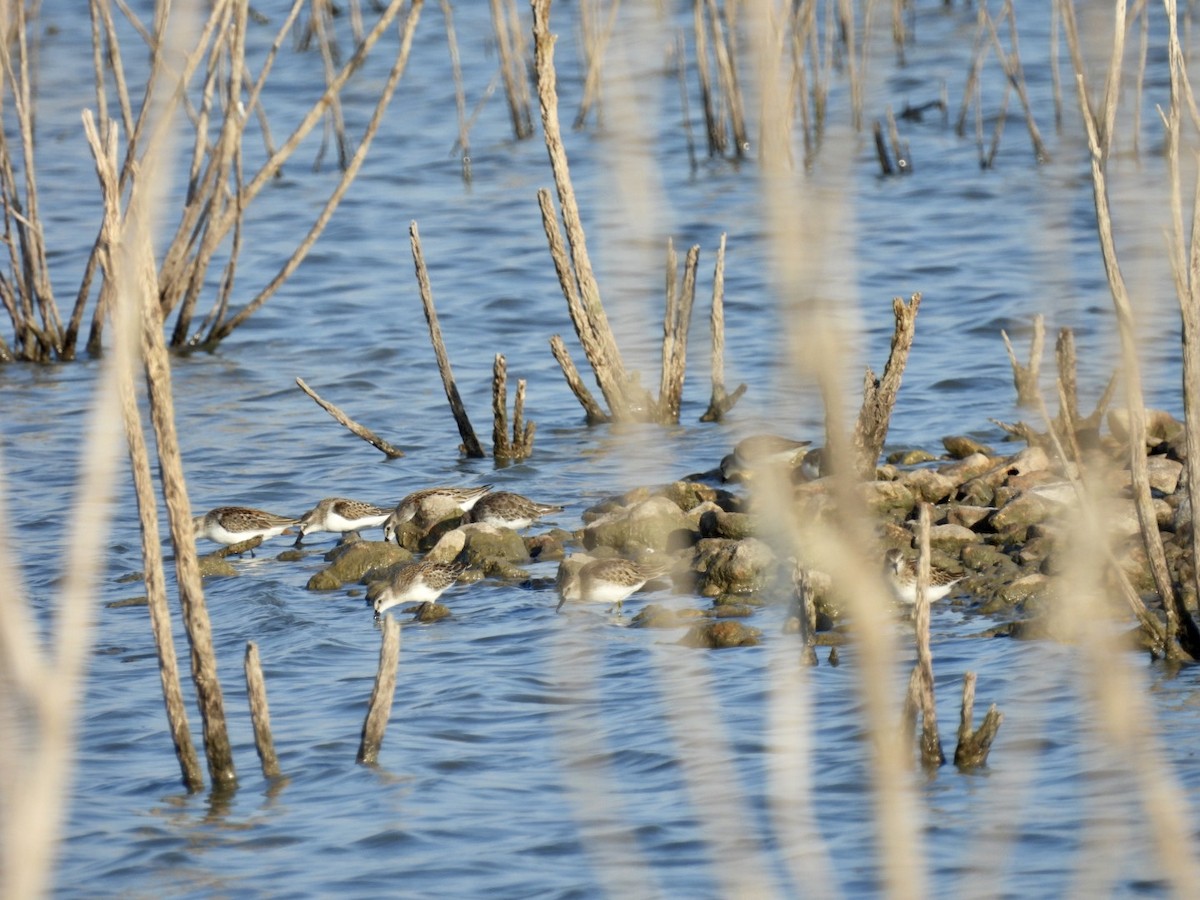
(321, 22)
(41, 682)
(1025, 378)
(1185, 264)
(724, 30)
(460, 96)
(1016, 76)
(511, 45)
(881, 151)
(720, 402)
(1122, 710)
(971, 89)
(974, 744)
(470, 446)
(260, 714)
(578, 281)
(676, 320)
(358, 430)
(105, 153)
(222, 329)
(1100, 131)
(681, 75)
(879, 394)
(807, 610)
(920, 697)
(804, 257)
(594, 411)
(849, 36)
(714, 126)
(379, 707)
(595, 40)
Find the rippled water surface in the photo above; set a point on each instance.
(539, 755)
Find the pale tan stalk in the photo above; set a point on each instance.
(379, 707)
(105, 153)
(349, 424)
(471, 444)
(260, 713)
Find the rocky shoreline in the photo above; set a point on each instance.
(994, 525)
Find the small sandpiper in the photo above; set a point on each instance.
(233, 524)
(760, 451)
(432, 505)
(901, 574)
(603, 580)
(421, 582)
(505, 509)
(339, 515)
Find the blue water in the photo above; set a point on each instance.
(537, 755)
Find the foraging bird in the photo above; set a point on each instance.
(432, 505)
(902, 578)
(759, 451)
(340, 515)
(505, 509)
(603, 580)
(233, 524)
(421, 582)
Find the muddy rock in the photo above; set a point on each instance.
(888, 497)
(1161, 426)
(482, 542)
(967, 468)
(655, 524)
(503, 569)
(721, 524)
(930, 486)
(967, 516)
(721, 634)
(211, 565)
(429, 612)
(1020, 512)
(951, 537)
(655, 615)
(549, 546)
(356, 562)
(912, 457)
(960, 447)
(733, 567)
(687, 495)
(1164, 473)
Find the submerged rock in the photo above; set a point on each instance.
(356, 562)
(721, 634)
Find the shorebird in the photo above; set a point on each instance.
(233, 524)
(339, 515)
(902, 578)
(603, 580)
(759, 451)
(505, 509)
(432, 505)
(421, 582)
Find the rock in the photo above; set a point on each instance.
(482, 542)
(887, 496)
(952, 535)
(717, 635)
(655, 615)
(687, 495)
(930, 486)
(1164, 473)
(356, 562)
(961, 447)
(655, 524)
(910, 457)
(215, 565)
(967, 516)
(429, 612)
(967, 468)
(733, 567)
(1015, 592)
(721, 524)
(1020, 512)
(493, 567)
(450, 544)
(547, 547)
(979, 557)
(1161, 426)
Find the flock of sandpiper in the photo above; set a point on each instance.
(608, 581)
